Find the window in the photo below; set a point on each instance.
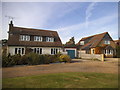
(106, 42)
(20, 51)
(24, 38)
(108, 51)
(93, 51)
(82, 43)
(54, 51)
(49, 39)
(38, 50)
(38, 38)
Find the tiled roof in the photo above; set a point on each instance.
(94, 41)
(30, 31)
(16, 31)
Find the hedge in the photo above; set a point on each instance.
(32, 59)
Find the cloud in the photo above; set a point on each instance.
(89, 12)
(32, 15)
(65, 8)
(99, 25)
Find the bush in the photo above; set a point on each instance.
(45, 59)
(33, 59)
(9, 60)
(65, 58)
(23, 60)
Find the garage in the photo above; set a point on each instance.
(71, 53)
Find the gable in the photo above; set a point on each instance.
(96, 40)
(105, 38)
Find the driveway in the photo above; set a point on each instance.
(77, 65)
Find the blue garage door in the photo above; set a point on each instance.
(71, 53)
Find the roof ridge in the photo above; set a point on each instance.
(94, 35)
(35, 29)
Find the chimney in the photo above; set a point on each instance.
(10, 25)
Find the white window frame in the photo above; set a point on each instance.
(20, 49)
(38, 50)
(108, 51)
(106, 42)
(55, 51)
(38, 38)
(49, 39)
(82, 43)
(24, 38)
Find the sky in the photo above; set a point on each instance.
(69, 19)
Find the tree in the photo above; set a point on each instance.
(71, 41)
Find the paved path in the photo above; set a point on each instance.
(75, 66)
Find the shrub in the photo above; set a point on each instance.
(23, 60)
(4, 60)
(33, 58)
(9, 60)
(45, 59)
(65, 58)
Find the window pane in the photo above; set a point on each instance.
(19, 51)
(22, 50)
(40, 50)
(56, 51)
(15, 50)
(51, 51)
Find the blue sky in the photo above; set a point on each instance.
(78, 19)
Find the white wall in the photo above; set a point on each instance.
(11, 49)
(45, 50)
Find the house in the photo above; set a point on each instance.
(98, 44)
(117, 42)
(24, 40)
(71, 48)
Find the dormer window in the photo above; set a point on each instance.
(82, 43)
(49, 39)
(106, 42)
(38, 38)
(24, 38)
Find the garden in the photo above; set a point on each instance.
(33, 59)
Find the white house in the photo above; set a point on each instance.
(22, 40)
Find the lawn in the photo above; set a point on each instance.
(63, 80)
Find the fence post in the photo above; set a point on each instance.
(102, 57)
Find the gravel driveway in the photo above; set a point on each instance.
(77, 65)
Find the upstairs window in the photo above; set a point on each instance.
(49, 39)
(82, 43)
(38, 38)
(24, 38)
(106, 42)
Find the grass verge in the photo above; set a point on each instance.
(63, 80)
